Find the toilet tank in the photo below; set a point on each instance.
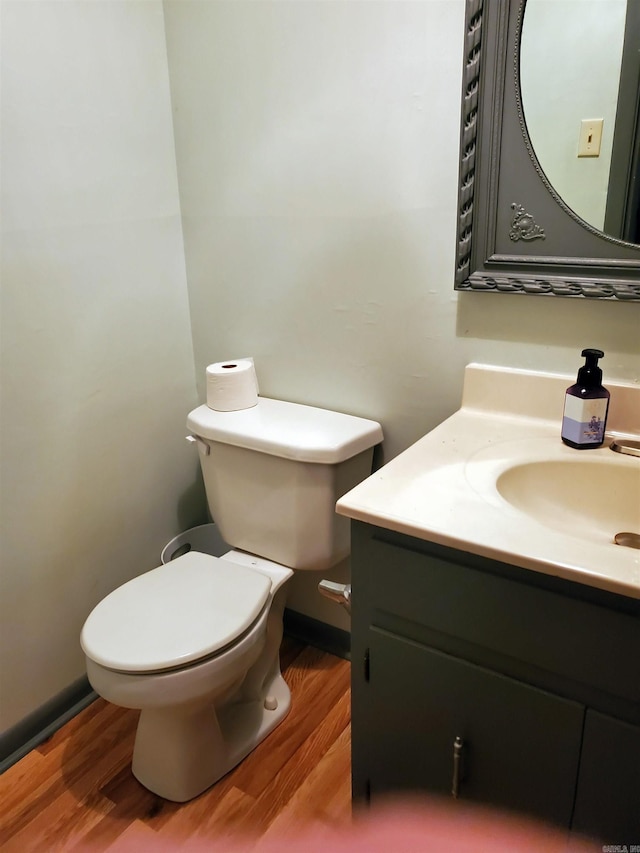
(274, 472)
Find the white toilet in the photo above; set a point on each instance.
(194, 644)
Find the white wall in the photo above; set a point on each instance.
(317, 147)
(97, 363)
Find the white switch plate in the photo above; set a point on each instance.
(590, 137)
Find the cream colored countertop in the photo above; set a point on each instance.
(443, 488)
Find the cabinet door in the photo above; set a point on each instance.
(518, 746)
(608, 796)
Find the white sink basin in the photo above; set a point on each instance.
(582, 497)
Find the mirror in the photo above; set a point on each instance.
(533, 216)
(586, 70)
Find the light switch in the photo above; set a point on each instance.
(590, 137)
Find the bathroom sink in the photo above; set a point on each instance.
(496, 481)
(582, 497)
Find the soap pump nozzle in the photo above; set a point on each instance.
(590, 375)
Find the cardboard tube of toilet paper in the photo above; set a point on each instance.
(232, 385)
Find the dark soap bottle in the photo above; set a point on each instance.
(586, 405)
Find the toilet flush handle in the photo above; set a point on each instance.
(203, 447)
(338, 592)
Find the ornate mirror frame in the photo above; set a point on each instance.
(515, 234)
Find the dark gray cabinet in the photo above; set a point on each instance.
(608, 794)
(457, 726)
(494, 684)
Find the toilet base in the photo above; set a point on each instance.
(180, 752)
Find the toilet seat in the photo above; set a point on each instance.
(175, 614)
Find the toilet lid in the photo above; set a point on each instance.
(174, 615)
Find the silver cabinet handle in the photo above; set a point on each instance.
(458, 746)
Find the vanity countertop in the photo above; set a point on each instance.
(442, 489)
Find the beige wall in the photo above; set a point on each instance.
(97, 363)
(317, 147)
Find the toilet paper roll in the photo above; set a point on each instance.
(232, 385)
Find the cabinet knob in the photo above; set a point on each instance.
(458, 747)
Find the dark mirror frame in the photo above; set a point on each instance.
(515, 234)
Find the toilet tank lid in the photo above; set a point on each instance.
(288, 430)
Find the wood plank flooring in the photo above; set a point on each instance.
(76, 790)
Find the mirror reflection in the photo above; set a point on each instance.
(579, 77)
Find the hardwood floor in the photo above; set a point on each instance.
(76, 791)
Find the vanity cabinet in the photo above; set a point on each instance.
(496, 685)
(441, 723)
(608, 793)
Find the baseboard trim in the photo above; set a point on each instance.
(29, 733)
(318, 634)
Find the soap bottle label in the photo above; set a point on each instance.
(583, 420)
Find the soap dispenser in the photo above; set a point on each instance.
(586, 405)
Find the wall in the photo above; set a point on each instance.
(97, 363)
(317, 148)
(317, 145)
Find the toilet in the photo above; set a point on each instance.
(194, 644)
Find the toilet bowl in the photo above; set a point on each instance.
(207, 697)
(194, 644)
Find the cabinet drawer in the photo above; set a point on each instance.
(572, 639)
